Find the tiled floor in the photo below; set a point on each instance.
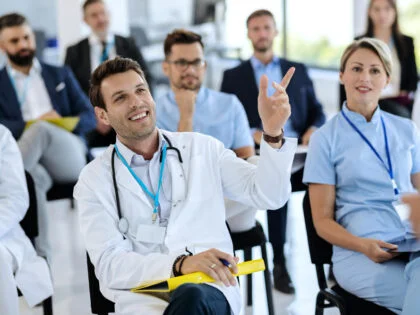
(70, 276)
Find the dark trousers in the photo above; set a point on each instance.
(277, 220)
(197, 299)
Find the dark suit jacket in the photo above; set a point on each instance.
(306, 110)
(78, 58)
(409, 75)
(68, 101)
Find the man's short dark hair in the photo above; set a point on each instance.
(89, 2)
(180, 36)
(11, 20)
(259, 13)
(105, 70)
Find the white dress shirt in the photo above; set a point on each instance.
(96, 49)
(31, 91)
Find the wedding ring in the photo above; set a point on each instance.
(213, 266)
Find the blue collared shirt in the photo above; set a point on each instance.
(273, 71)
(216, 114)
(364, 194)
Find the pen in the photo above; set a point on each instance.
(226, 263)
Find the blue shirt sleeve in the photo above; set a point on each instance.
(319, 166)
(243, 137)
(415, 150)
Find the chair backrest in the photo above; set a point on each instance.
(319, 249)
(98, 303)
(29, 223)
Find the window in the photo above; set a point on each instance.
(318, 31)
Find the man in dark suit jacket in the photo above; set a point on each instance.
(101, 45)
(307, 115)
(31, 90)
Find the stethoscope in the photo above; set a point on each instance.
(122, 221)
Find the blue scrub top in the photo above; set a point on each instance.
(364, 193)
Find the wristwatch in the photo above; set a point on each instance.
(276, 139)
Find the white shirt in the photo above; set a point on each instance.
(96, 49)
(31, 91)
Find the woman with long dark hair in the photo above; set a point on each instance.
(397, 97)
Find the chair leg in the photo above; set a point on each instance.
(248, 256)
(47, 306)
(267, 279)
(72, 203)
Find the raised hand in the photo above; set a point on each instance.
(274, 110)
(209, 263)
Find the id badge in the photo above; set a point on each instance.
(151, 233)
(402, 209)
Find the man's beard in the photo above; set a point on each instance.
(22, 60)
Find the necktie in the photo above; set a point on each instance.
(104, 54)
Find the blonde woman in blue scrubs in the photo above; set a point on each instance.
(357, 166)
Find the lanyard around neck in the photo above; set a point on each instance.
(388, 155)
(21, 96)
(155, 197)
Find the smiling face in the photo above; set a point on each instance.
(130, 108)
(96, 16)
(364, 77)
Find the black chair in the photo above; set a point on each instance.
(321, 252)
(98, 303)
(246, 241)
(61, 191)
(30, 225)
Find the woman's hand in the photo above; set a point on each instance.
(374, 250)
(209, 263)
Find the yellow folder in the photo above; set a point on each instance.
(171, 284)
(67, 123)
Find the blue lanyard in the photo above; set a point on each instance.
(155, 197)
(21, 97)
(389, 168)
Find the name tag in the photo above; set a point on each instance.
(151, 233)
(403, 210)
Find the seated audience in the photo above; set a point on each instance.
(307, 116)
(90, 52)
(358, 165)
(189, 106)
(397, 97)
(152, 206)
(20, 267)
(35, 91)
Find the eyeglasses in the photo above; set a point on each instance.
(183, 64)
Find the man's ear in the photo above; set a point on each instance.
(102, 115)
(165, 68)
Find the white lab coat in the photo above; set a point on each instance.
(32, 275)
(197, 221)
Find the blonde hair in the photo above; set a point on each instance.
(376, 46)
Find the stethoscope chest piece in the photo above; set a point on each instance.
(123, 225)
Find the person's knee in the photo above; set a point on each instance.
(190, 293)
(412, 269)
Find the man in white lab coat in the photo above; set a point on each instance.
(168, 216)
(19, 264)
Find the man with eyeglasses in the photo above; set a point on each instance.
(189, 106)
